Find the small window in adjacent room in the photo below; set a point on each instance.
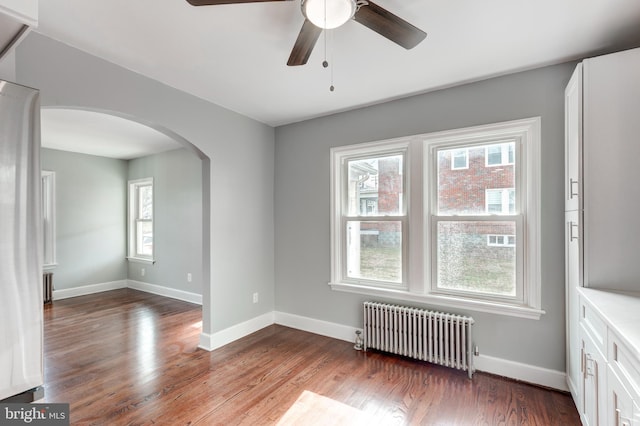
(49, 219)
(140, 228)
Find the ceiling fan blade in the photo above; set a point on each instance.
(304, 44)
(216, 2)
(389, 25)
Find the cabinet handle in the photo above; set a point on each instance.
(582, 360)
(571, 236)
(588, 371)
(571, 193)
(621, 421)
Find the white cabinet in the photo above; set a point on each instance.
(602, 147)
(609, 390)
(573, 141)
(573, 226)
(620, 401)
(592, 382)
(573, 266)
(611, 148)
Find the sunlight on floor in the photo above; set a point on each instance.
(312, 409)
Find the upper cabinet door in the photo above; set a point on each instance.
(611, 173)
(573, 141)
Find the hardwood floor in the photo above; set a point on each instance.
(127, 357)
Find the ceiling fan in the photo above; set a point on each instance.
(328, 14)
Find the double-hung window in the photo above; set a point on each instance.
(468, 209)
(371, 217)
(141, 219)
(432, 218)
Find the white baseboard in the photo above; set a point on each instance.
(65, 293)
(84, 290)
(527, 373)
(210, 342)
(323, 328)
(165, 291)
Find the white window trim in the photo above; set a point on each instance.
(132, 256)
(419, 201)
(49, 211)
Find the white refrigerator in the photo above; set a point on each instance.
(21, 308)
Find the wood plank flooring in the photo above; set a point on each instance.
(126, 357)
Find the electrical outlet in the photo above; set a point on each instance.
(142, 272)
(189, 277)
(255, 297)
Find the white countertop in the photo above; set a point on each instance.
(621, 311)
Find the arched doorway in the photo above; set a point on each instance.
(79, 128)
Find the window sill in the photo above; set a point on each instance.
(444, 301)
(141, 260)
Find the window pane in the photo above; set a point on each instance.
(374, 250)
(466, 262)
(375, 186)
(145, 202)
(511, 148)
(463, 192)
(144, 238)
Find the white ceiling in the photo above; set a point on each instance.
(100, 134)
(235, 55)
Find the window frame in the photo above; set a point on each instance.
(133, 208)
(340, 215)
(420, 199)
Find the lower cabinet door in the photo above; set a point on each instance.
(593, 382)
(620, 404)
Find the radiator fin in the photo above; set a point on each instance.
(47, 287)
(436, 337)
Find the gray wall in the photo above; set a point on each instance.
(302, 201)
(238, 166)
(177, 186)
(8, 67)
(91, 207)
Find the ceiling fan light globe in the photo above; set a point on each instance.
(338, 12)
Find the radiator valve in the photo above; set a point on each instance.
(358, 343)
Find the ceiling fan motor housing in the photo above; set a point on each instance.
(328, 14)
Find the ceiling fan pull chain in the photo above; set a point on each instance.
(331, 88)
(324, 35)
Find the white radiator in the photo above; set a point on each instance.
(436, 337)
